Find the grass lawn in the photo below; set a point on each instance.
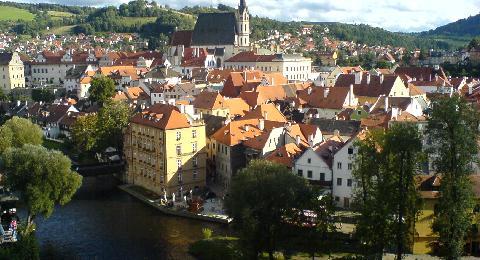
(9, 13)
(53, 145)
(56, 15)
(62, 30)
(136, 20)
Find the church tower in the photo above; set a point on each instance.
(243, 25)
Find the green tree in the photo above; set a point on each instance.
(373, 228)
(453, 129)
(42, 177)
(113, 118)
(19, 131)
(402, 150)
(101, 89)
(3, 97)
(85, 134)
(42, 94)
(385, 167)
(260, 198)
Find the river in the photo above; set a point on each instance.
(103, 222)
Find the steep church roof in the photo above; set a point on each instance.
(215, 29)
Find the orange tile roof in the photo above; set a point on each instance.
(209, 100)
(161, 116)
(267, 112)
(119, 96)
(237, 106)
(285, 155)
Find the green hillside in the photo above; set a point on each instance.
(468, 27)
(9, 13)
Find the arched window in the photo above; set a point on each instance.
(219, 63)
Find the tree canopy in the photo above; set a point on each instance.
(261, 198)
(101, 89)
(453, 129)
(42, 177)
(17, 132)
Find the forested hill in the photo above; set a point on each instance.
(366, 34)
(468, 27)
(156, 23)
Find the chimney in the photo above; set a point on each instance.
(309, 90)
(18, 103)
(265, 115)
(368, 79)
(326, 91)
(358, 77)
(470, 89)
(381, 78)
(310, 140)
(261, 124)
(297, 140)
(246, 128)
(386, 103)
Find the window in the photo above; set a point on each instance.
(309, 160)
(300, 173)
(194, 147)
(194, 133)
(339, 165)
(180, 177)
(349, 182)
(179, 135)
(346, 202)
(322, 176)
(309, 174)
(339, 181)
(179, 164)
(350, 150)
(195, 161)
(179, 150)
(195, 174)
(349, 166)
(337, 198)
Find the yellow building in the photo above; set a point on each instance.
(11, 72)
(165, 151)
(424, 238)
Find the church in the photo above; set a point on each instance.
(223, 35)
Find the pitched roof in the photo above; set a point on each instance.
(320, 97)
(267, 112)
(161, 116)
(285, 155)
(209, 100)
(250, 56)
(375, 88)
(237, 106)
(329, 126)
(215, 29)
(5, 58)
(181, 38)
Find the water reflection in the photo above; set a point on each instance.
(102, 222)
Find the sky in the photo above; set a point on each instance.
(393, 15)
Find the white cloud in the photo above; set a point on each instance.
(394, 15)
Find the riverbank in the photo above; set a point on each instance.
(153, 201)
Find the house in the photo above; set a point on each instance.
(343, 185)
(366, 85)
(325, 102)
(294, 67)
(11, 72)
(315, 164)
(424, 238)
(51, 118)
(165, 152)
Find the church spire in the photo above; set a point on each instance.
(242, 6)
